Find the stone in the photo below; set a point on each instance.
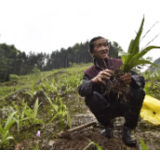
(51, 142)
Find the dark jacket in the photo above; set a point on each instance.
(87, 88)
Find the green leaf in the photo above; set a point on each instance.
(36, 106)
(136, 43)
(1, 129)
(94, 143)
(136, 63)
(39, 121)
(139, 62)
(22, 114)
(28, 113)
(24, 119)
(18, 124)
(125, 58)
(97, 146)
(55, 107)
(87, 145)
(144, 51)
(57, 114)
(144, 147)
(69, 119)
(4, 135)
(130, 46)
(125, 65)
(8, 138)
(130, 61)
(137, 39)
(9, 121)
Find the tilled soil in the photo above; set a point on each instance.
(78, 140)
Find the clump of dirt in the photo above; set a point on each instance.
(19, 96)
(41, 97)
(24, 95)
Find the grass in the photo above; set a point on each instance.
(49, 83)
(25, 82)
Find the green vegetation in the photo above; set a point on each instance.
(143, 145)
(4, 132)
(47, 101)
(13, 77)
(134, 58)
(130, 60)
(36, 71)
(93, 143)
(27, 99)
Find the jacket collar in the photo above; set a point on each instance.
(97, 65)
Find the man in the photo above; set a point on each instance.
(96, 79)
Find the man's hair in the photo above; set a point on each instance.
(91, 43)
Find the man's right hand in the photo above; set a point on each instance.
(103, 75)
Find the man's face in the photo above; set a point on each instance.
(101, 49)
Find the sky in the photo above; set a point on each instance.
(49, 25)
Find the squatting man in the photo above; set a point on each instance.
(96, 78)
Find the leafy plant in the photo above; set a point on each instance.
(36, 71)
(50, 87)
(134, 58)
(93, 143)
(13, 77)
(67, 84)
(63, 113)
(73, 80)
(152, 84)
(4, 132)
(20, 116)
(32, 114)
(31, 92)
(143, 145)
(59, 110)
(54, 106)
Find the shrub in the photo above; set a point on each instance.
(13, 77)
(36, 70)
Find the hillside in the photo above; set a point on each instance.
(41, 105)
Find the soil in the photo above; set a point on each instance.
(78, 140)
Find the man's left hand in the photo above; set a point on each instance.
(126, 78)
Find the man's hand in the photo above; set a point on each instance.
(103, 75)
(126, 78)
